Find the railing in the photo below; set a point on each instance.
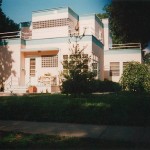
(29, 82)
(126, 46)
(9, 35)
(13, 81)
(8, 84)
(16, 34)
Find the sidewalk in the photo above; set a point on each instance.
(120, 133)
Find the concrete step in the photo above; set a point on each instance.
(16, 89)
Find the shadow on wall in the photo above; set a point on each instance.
(5, 63)
(107, 75)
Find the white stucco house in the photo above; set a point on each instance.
(35, 54)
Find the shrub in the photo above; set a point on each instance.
(106, 86)
(136, 77)
(80, 84)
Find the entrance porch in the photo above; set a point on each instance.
(38, 68)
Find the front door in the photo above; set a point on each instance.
(33, 71)
(31, 77)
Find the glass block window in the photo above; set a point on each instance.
(94, 65)
(51, 23)
(32, 67)
(50, 61)
(114, 69)
(65, 64)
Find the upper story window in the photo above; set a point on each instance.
(51, 23)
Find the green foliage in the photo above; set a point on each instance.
(102, 15)
(19, 140)
(106, 86)
(79, 84)
(6, 24)
(136, 77)
(0, 3)
(127, 23)
(103, 109)
(78, 78)
(146, 59)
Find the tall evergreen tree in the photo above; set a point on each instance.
(6, 24)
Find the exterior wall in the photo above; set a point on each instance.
(88, 23)
(122, 55)
(93, 26)
(99, 32)
(60, 31)
(98, 57)
(73, 23)
(50, 32)
(11, 60)
(107, 38)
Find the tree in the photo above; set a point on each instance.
(136, 77)
(78, 79)
(6, 24)
(102, 15)
(146, 58)
(129, 21)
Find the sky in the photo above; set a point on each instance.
(21, 10)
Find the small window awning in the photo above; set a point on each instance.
(40, 51)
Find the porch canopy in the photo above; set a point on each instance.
(41, 51)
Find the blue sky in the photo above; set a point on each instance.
(21, 10)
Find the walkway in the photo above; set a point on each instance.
(127, 134)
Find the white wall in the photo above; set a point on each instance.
(49, 16)
(106, 34)
(50, 32)
(89, 24)
(119, 56)
(11, 56)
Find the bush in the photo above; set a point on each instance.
(79, 84)
(106, 86)
(136, 77)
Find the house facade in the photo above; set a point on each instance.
(35, 57)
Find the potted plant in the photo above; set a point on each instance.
(32, 89)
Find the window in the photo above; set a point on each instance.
(114, 69)
(94, 65)
(51, 23)
(50, 61)
(65, 64)
(32, 67)
(124, 64)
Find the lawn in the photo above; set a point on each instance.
(18, 140)
(104, 109)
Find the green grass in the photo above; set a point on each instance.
(18, 140)
(106, 109)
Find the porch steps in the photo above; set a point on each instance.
(16, 89)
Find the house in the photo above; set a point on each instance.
(34, 55)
